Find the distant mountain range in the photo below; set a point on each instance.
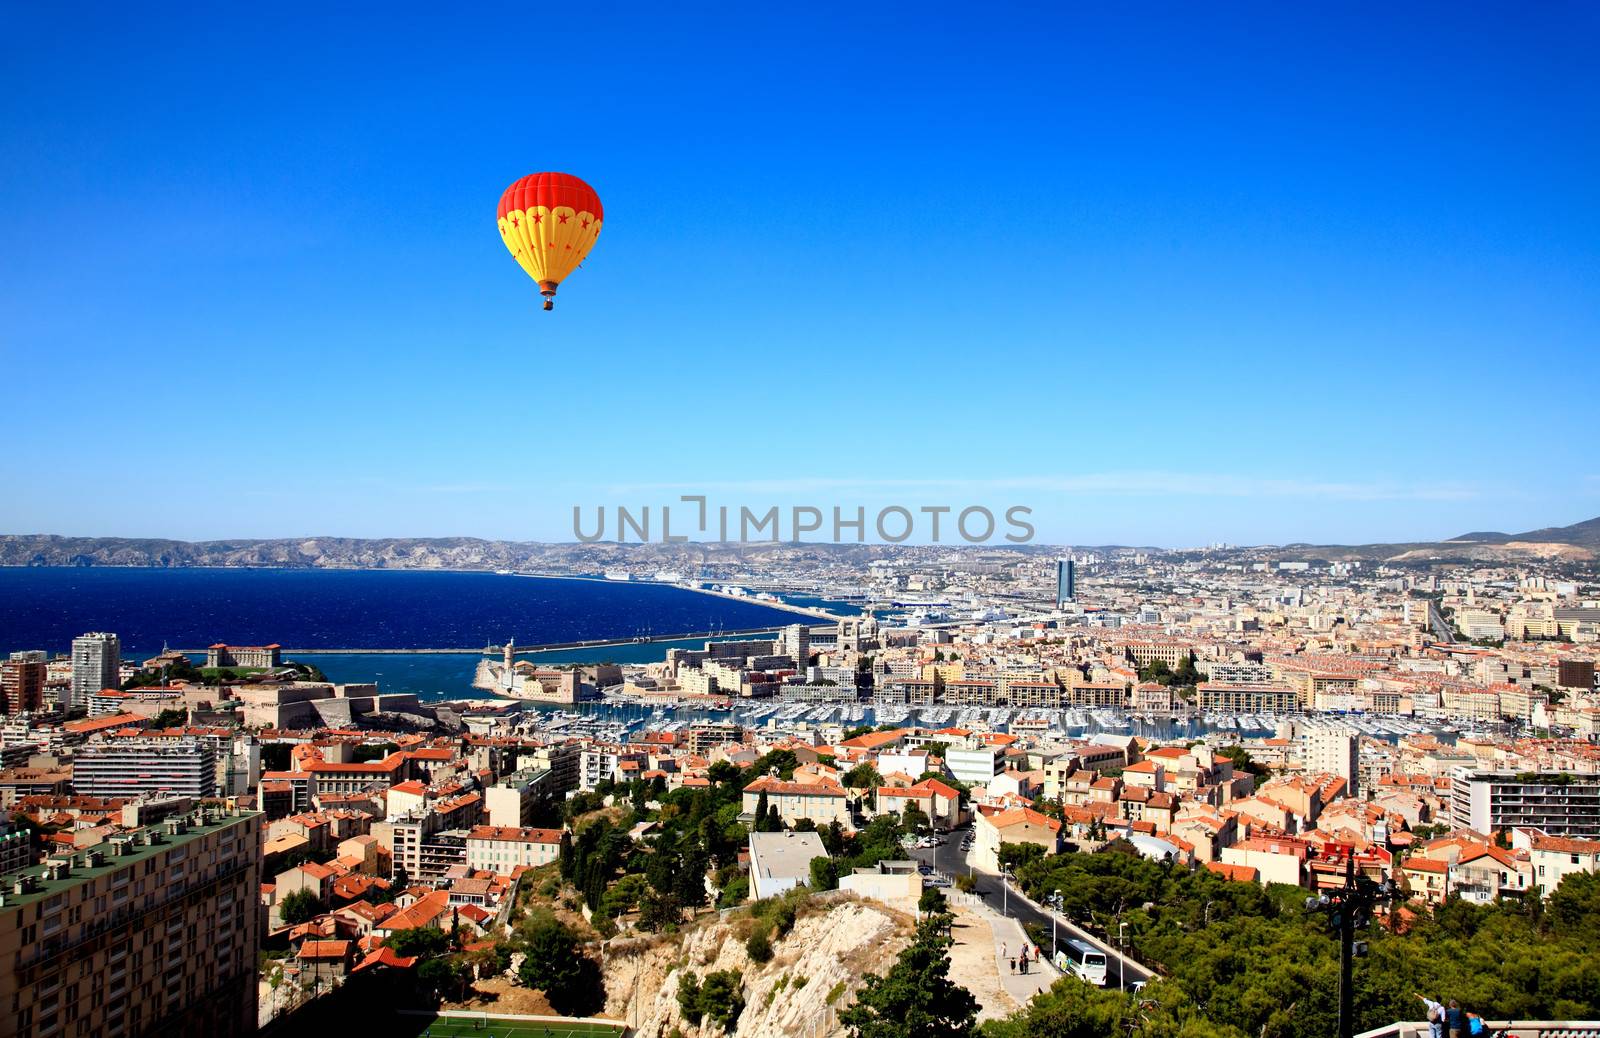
(1585, 535)
(442, 553)
(1576, 543)
(1579, 542)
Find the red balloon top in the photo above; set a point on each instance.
(550, 190)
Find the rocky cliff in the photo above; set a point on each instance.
(836, 939)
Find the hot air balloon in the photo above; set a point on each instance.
(549, 221)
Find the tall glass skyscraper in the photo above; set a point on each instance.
(1066, 581)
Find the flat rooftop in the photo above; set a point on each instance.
(136, 852)
(785, 855)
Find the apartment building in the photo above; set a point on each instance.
(96, 660)
(16, 849)
(1018, 825)
(599, 763)
(822, 802)
(132, 767)
(510, 802)
(795, 643)
(1247, 699)
(975, 766)
(704, 736)
(153, 932)
(1034, 694)
(21, 684)
(1559, 803)
(1142, 652)
(970, 692)
(1097, 694)
(503, 850)
(1554, 858)
(1334, 751)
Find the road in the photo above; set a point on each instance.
(949, 859)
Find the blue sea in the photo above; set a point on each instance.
(43, 608)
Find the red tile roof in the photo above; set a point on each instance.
(325, 950)
(509, 835)
(1020, 815)
(1238, 873)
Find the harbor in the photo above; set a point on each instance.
(617, 718)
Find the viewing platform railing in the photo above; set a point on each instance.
(1505, 1028)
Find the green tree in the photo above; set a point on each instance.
(423, 941)
(566, 855)
(916, 998)
(782, 761)
(735, 893)
(658, 911)
(1243, 761)
(863, 776)
(722, 997)
(689, 998)
(1016, 855)
(623, 895)
(554, 964)
(824, 873)
(1156, 671)
(1073, 1009)
(169, 719)
(758, 945)
(299, 907)
(445, 974)
(833, 837)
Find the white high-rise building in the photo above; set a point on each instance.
(1334, 751)
(796, 644)
(133, 767)
(96, 659)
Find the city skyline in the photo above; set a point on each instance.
(1048, 520)
(1573, 533)
(1260, 277)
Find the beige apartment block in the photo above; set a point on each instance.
(154, 932)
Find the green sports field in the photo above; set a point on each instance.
(468, 1027)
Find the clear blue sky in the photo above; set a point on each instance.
(1236, 272)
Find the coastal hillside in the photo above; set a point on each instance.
(439, 553)
(813, 971)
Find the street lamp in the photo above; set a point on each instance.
(1350, 906)
(1122, 956)
(1055, 905)
(1005, 891)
